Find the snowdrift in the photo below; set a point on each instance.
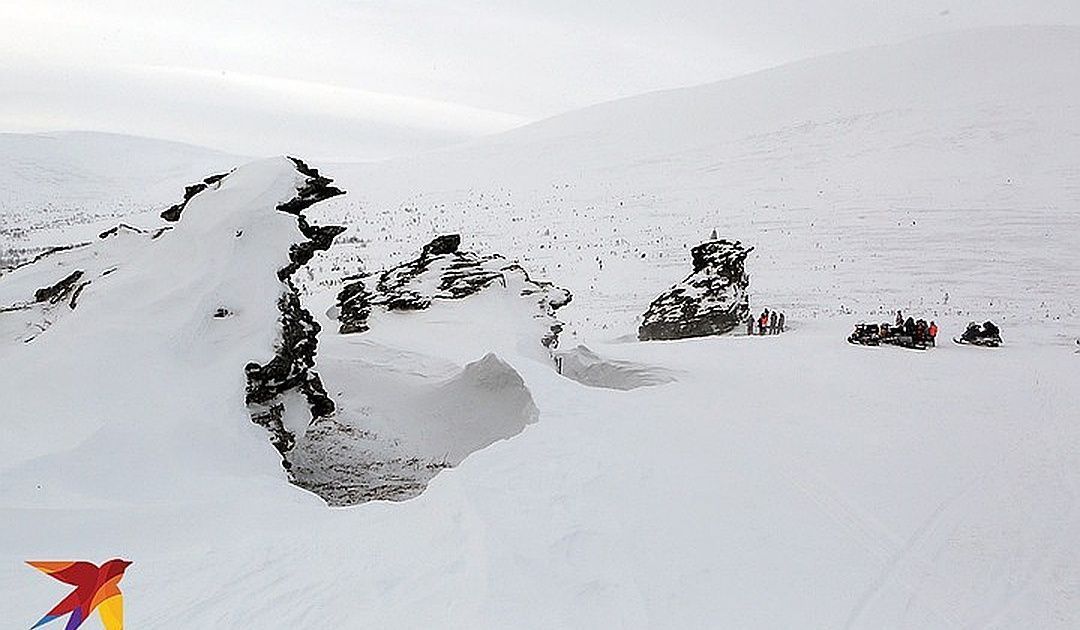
(786, 481)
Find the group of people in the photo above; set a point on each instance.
(917, 329)
(766, 323)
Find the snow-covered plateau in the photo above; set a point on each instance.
(284, 424)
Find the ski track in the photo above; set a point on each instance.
(920, 569)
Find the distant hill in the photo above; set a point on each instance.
(868, 180)
(54, 180)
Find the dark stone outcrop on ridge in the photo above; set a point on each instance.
(61, 290)
(173, 213)
(443, 272)
(291, 369)
(315, 189)
(710, 301)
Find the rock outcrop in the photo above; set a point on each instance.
(712, 300)
(400, 417)
(173, 213)
(443, 272)
(292, 368)
(61, 290)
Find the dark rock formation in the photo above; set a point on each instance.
(291, 369)
(319, 238)
(316, 188)
(113, 231)
(443, 272)
(172, 214)
(442, 245)
(354, 305)
(710, 301)
(73, 302)
(61, 290)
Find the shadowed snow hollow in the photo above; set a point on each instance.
(413, 398)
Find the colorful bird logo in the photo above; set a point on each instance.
(94, 588)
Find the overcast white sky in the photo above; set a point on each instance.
(369, 78)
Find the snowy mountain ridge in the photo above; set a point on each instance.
(883, 175)
(782, 481)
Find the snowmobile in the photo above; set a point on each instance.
(875, 335)
(987, 335)
(866, 335)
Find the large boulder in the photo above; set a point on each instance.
(712, 300)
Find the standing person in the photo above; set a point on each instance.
(899, 319)
(772, 324)
(749, 324)
(763, 322)
(933, 333)
(780, 322)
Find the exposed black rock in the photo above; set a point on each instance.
(354, 302)
(710, 301)
(442, 245)
(319, 239)
(291, 369)
(59, 291)
(316, 188)
(173, 213)
(113, 231)
(443, 272)
(73, 302)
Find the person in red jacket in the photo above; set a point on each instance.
(933, 333)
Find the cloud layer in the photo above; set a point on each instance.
(369, 78)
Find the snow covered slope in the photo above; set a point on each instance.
(54, 181)
(789, 481)
(938, 175)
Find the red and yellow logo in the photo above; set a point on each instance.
(95, 588)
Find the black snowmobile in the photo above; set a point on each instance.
(866, 335)
(875, 335)
(987, 335)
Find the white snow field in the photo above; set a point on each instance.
(790, 481)
(71, 185)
